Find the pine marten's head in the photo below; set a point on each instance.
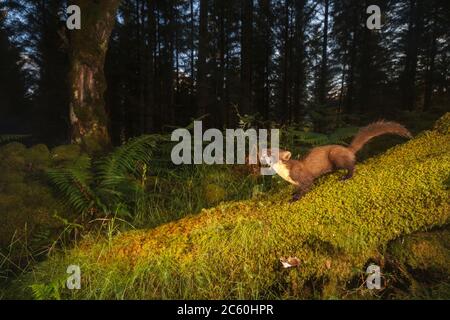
(271, 157)
(278, 160)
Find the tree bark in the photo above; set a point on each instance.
(429, 74)
(324, 64)
(202, 89)
(349, 97)
(142, 58)
(192, 50)
(150, 105)
(88, 119)
(413, 39)
(286, 79)
(222, 107)
(246, 56)
(299, 72)
(263, 54)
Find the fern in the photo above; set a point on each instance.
(51, 291)
(109, 185)
(118, 173)
(113, 169)
(74, 184)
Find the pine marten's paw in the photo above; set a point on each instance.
(295, 197)
(345, 178)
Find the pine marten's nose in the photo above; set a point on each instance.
(266, 160)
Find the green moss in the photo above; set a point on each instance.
(13, 148)
(12, 156)
(14, 188)
(26, 201)
(38, 157)
(443, 124)
(65, 153)
(422, 264)
(12, 219)
(10, 176)
(92, 144)
(233, 250)
(425, 252)
(214, 193)
(24, 206)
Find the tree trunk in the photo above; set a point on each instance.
(364, 98)
(150, 105)
(410, 71)
(299, 72)
(202, 83)
(349, 97)
(262, 56)
(192, 50)
(429, 75)
(88, 119)
(246, 56)
(324, 64)
(142, 54)
(221, 72)
(286, 83)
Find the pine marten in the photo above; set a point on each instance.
(321, 160)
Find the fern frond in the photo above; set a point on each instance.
(50, 291)
(116, 167)
(74, 184)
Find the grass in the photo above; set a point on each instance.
(232, 250)
(37, 217)
(176, 192)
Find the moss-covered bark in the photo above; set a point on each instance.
(89, 125)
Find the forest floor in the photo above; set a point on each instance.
(394, 213)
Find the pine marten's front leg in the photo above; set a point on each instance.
(349, 174)
(301, 190)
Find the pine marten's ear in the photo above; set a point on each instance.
(285, 155)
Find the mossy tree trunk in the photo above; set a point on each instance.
(88, 119)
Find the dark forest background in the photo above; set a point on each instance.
(310, 63)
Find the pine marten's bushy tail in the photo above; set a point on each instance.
(377, 129)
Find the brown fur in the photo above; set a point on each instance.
(321, 160)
